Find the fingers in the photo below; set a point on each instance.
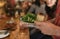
(23, 25)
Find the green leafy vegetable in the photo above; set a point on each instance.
(29, 17)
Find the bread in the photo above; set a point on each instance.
(40, 17)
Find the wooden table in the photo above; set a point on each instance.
(18, 33)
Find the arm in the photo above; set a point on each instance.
(48, 28)
(54, 29)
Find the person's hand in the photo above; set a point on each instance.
(45, 27)
(23, 25)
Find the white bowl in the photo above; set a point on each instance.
(4, 33)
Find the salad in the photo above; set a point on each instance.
(29, 17)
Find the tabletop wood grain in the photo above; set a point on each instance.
(18, 33)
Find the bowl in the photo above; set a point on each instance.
(4, 33)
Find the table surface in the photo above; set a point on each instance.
(18, 33)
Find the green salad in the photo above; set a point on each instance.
(29, 17)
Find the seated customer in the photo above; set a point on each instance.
(48, 27)
(38, 8)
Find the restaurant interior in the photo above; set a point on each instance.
(18, 17)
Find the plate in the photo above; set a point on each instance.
(29, 24)
(4, 35)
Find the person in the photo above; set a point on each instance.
(39, 8)
(48, 27)
(50, 10)
(51, 27)
(25, 6)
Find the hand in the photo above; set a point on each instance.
(45, 27)
(23, 24)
